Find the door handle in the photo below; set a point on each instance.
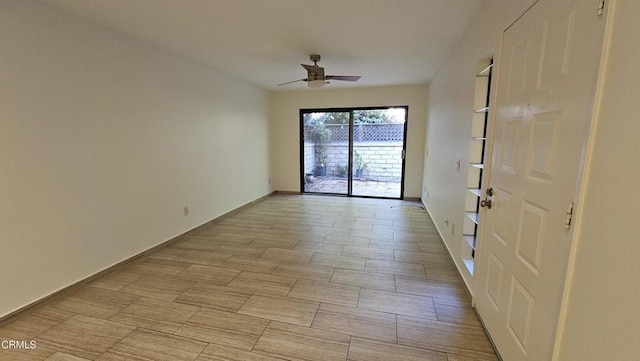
(486, 203)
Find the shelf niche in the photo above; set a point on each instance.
(479, 119)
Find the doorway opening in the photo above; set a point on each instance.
(353, 151)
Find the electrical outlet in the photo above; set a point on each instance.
(186, 211)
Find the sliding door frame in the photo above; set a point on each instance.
(350, 110)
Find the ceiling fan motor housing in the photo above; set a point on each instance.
(315, 74)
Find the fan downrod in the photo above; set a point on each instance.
(314, 58)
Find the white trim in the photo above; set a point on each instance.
(517, 13)
(451, 256)
(583, 184)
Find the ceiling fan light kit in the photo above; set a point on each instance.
(318, 83)
(315, 75)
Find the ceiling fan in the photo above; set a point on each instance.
(315, 75)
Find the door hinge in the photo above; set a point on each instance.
(600, 7)
(404, 153)
(569, 217)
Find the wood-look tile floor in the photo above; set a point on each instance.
(289, 278)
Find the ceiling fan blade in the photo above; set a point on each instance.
(343, 77)
(294, 81)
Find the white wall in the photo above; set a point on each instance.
(451, 97)
(603, 321)
(285, 130)
(103, 140)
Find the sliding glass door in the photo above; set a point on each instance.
(378, 152)
(325, 152)
(354, 151)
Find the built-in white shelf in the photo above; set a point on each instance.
(476, 191)
(471, 240)
(472, 216)
(477, 157)
(485, 72)
(468, 264)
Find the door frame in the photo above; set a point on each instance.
(583, 168)
(350, 110)
(491, 117)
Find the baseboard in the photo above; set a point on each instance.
(486, 331)
(413, 199)
(12, 316)
(451, 257)
(288, 192)
(495, 349)
(410, 199)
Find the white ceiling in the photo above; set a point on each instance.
(387, 42)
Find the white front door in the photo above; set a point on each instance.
(546, 82)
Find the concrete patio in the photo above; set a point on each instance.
(361, 187)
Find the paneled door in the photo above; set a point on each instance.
(546, 83)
